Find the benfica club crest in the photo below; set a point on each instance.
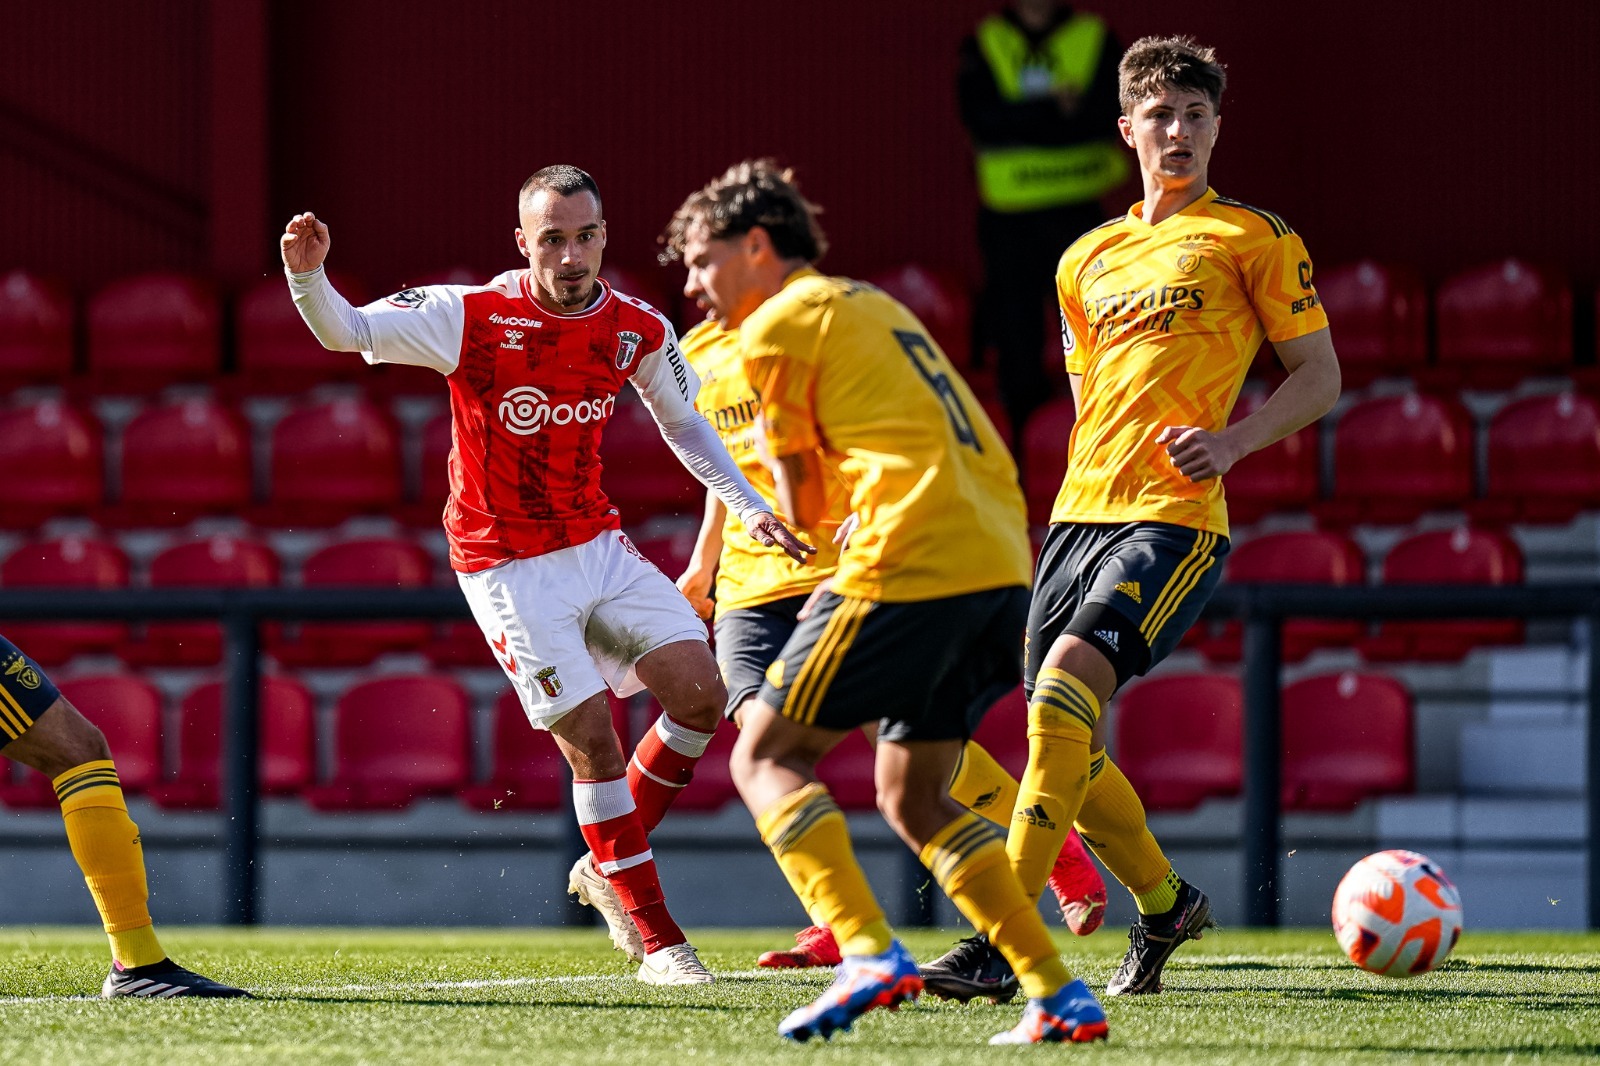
(627, 347)
(549, 681)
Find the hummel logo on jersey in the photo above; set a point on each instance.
(1109, 636)
(528, 323)
(1035, 815)
(513, 340)
(1130, 589)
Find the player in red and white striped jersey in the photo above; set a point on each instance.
(534, 361)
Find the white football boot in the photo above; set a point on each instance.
(677, 965)
(595, 891)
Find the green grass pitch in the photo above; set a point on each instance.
(542, 997)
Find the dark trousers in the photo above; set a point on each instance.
(1020, 253)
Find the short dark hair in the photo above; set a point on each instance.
(756, 192)
(561, 179)
(1156, 64)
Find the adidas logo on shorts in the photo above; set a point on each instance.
(1130, 589)
(1109, 636)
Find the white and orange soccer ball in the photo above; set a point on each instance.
(1396, 914)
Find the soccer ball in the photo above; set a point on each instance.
(1396, 914)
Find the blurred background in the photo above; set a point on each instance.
(167, 420)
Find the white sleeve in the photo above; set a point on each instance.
(421, 327)
(702, 453)
(666, 381)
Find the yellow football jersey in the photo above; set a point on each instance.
(1162, 322)
(748, 573)
(844, 369)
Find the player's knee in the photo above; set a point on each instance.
(67, 739)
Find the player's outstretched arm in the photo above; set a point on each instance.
(304, 244)
(1308, 393)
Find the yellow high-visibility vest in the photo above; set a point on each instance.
(1033, 177)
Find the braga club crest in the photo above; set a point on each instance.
(627, 347)
(549, 681)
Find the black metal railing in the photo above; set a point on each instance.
(1261, 609)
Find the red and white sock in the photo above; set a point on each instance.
(611, 827)
(662, 765)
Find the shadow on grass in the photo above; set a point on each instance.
(575, 1004)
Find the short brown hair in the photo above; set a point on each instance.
(1155, 64)
(561, 179)
(756, 192)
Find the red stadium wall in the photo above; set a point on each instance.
(1440, 134)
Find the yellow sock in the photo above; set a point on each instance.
(1061, 720)
(982, 785)
(105, 842)
(806, 832)
(969, 861)
(1112, 822)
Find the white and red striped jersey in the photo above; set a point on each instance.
(530, 393)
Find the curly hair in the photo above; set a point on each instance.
(756, 192)
(1155, 64)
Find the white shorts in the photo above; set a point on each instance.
(568, 624)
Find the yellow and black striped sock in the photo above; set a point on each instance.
(1061, 718)
(105, 842)
(807, 835)
(1112, 822)
(982, 785)
(968, 859)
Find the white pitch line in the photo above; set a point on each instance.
(418, 986)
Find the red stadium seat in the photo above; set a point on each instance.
(1280, 477)
(1399, 456)
(36, 323)
(286, 743)
(1544, 460)
(1380, 316)
(182, 460)
(434, 475)
(1003, 733)
(54, 458)
(150, 331)
(277, 351)
(67, 562)
(847, 770)
(1302, 558)
(670, 553)
(333, 460)
(1346, 737)
(1448, 557)
(372, 562)
(1045, 442)
(653, 289)
(641, 476)
(941, 301)
(218, 561)
(528, 772)
(127, 710)
(397, 739)
(1496, 324)
(1180, 739)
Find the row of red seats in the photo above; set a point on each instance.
(1345, 737)
(402, 738)
(224, 560)
(1459, 556)
(1395, 458)
(327, 460)
(1494, 325)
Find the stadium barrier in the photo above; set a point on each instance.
(1262, 610)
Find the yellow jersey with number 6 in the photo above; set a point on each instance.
(1163, 322)
(845, 370)
(748, 573)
